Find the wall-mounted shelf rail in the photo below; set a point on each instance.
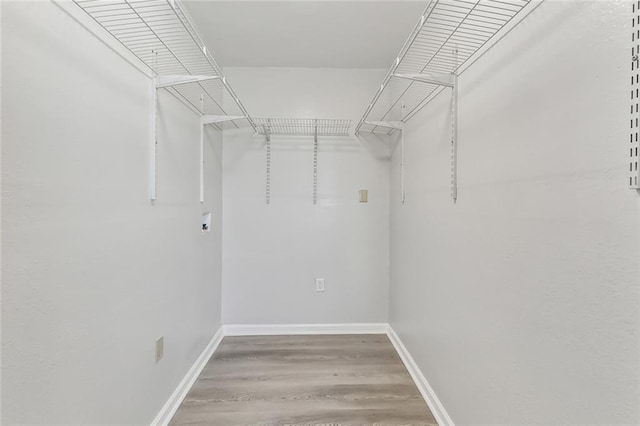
(634, 145)
(428, 61)
(315, 127)
(160, 34)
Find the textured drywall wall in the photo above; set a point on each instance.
(272, 253)
(92, 274)
(520, 302)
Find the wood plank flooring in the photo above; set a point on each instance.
(304, 380)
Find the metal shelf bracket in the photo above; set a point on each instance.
(454, 139)
(202, 124)
(634, 146)
(176, 80)
(446, 80)
(153, 142)
(400, 126)
(315, 162)
(402, 189)
(215, 119)
(396, 125)
(267, 134)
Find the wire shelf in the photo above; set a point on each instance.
(160, 34)
(448, 34)
(302, 126)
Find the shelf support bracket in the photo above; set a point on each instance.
(437, 79)
(315, 162)
(176, 80)
(400, 127)
(153, 142)
(454, 133)
(202, 124)
(214, 119)
(454, 140)
(402, 191)
(267, 134)
(396, 125)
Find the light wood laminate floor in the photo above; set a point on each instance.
(304, 380)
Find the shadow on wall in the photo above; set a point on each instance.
(215, 147)
(498, 61)
(40, 38)
(380, 146)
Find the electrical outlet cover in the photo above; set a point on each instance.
(206, 222)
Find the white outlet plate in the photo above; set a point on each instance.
(319, 284)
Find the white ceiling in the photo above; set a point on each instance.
(305, 33)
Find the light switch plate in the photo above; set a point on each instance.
(364, 195)
(159, 349)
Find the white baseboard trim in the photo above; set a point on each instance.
(171, 406)
(436, 407)
(289, 329)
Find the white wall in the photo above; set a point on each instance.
(92, 273)
(272, 253)
(520, 302)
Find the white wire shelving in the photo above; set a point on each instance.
(160, 34)
(302, 126)
(313, 127)
(447, 35)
